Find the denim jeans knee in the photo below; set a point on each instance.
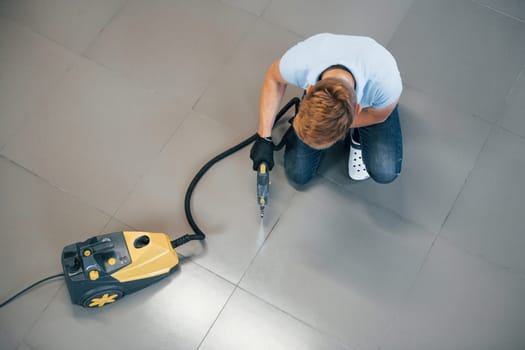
(383, 149)
(384, 175)
(297, 177)
(301, 161)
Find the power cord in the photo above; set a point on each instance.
(30, 287)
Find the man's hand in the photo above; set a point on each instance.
(262, 151)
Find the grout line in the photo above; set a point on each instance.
(148, 165)
(513, 87)
(511, 132)
(204, 91)
(483, 147)
(235, 49)
(80, 199)
(404, 299)
(216, 319)
(265, 9)
(275, 24)
(238, 8)
(378, 205)
(101, 31)
(501, 118)
(135, 82)
(263, 243)
(263, 12)
(443, 99)
(39, 316)
(27, 26)
(498, 11)
(480, 256)
(24, 343)
(104, 229)
(282, 27)
(331, 336)
(62, 45)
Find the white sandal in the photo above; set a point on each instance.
(356, 167)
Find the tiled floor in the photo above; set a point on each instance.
(108, 108)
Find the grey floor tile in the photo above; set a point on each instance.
(513, 8)
(36, 221)
(175, 313)
(514, 115)
(233, 96)
(440, 147)
(338, 263)
(377, 19)
(176, 46)
(97, 135)
(450, 49)
(31, 65)
(7, 341)
(224, 202)
(73, 24)
(255, 324)
(488, 216)
(253, 6)
(461, 302)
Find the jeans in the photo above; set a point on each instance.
(382, 149)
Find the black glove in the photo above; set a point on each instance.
(262, 151)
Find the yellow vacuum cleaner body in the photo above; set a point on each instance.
(105, 268)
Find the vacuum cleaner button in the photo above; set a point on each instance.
(141, 242)
(94, 275)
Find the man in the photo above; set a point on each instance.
(350, 82)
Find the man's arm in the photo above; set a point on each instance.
(370, 116)
(272, 94)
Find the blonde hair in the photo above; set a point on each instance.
(326, 113)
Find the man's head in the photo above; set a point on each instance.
(326, 113)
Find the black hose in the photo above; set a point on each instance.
(199, 235)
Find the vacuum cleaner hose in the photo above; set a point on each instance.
(199, 235)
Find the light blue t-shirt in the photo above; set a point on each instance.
(378, 82)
